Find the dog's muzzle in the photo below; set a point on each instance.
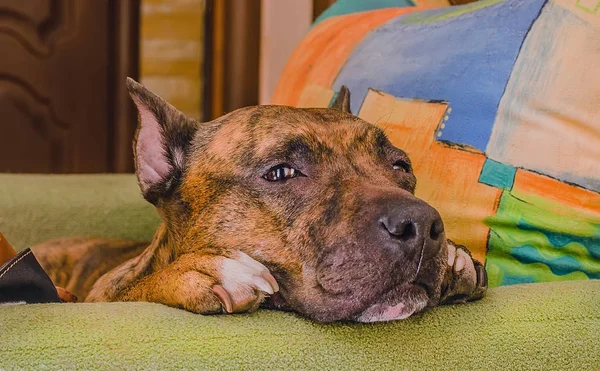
(391, 263)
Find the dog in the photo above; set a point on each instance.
(304, 210)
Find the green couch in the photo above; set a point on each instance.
(538, 326)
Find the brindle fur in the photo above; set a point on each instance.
(77, 263)
(310, 231)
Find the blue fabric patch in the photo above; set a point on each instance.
(465, 59)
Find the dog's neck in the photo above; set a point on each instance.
(160, 252)
(162, 249)
(157, 255)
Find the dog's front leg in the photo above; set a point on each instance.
(197, 282)
(465, 279)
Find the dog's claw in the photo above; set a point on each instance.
(243, 283)
(451, 254)
(481, 276)
(272, 281)
(467, 278)
(460, 262)
(263, 285)
(457, 258)
(224, 298)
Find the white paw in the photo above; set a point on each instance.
(244, 282)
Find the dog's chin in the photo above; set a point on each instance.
(401, 303)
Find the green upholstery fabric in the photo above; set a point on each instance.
(537, 326)
(34, 208)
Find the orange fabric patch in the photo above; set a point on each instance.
(327, 47)
(555, 190)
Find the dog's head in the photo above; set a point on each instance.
(320, 197)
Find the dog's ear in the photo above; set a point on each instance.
(161, 144)
(342, 101)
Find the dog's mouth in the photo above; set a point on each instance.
(359, 295)
(401, 303)
(403, 300)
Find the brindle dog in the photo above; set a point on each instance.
(309, 210)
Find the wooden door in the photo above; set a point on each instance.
(63, 104)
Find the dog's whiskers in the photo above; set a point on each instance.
(420, 260)
(386, 122)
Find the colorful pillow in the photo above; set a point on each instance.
(498, 105)
(342, 7)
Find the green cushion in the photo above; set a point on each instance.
(34, 208)
(547, 325)
(538, 326)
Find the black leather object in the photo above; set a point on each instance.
(22, 279)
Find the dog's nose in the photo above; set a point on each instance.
(415, 225)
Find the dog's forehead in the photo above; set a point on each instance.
(264, 129)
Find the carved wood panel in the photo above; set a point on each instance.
(62, 72)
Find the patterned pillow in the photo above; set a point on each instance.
(498, 105)
(342, 7)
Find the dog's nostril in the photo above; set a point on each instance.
(408, 230)
(404, 230)
(437, 228)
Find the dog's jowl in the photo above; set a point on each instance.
(309, 210)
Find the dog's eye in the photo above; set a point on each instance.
(402, 166)
(281, 172)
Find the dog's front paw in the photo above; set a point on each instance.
(243, 283)
(466, 278)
